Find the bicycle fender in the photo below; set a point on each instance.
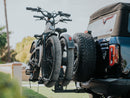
(69, 40)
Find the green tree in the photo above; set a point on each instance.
(2, 40)
(3, 47)
(23, 48)
(3, 43)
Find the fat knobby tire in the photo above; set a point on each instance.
(56, 61)
(69, 64)
(87, 56)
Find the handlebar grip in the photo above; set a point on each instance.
(67, 19)
(38, 17)
(28, 8)
(63, 14)
(66, 15)
(32, 9)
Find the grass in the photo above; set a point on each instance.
(45, 92)
(29, 93)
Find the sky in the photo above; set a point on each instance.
(22, 24)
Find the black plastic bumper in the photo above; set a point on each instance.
(110, 87)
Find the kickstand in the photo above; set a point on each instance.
(38, 88)
(30, 84)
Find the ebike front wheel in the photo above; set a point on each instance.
(51, 68)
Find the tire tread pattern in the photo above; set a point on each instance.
(87, 56)
(57, 61)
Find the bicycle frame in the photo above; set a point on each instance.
(41, 47)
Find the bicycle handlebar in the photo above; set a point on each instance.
(48, 14)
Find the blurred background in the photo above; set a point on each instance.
(22, 25)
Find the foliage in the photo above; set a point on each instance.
(5, 56)
(3, 47)
(28, 93)
(2, 40)
(23, 48)
(9, 88)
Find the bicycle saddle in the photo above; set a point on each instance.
(36, 35)
(59, 30)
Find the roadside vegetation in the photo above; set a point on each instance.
(9, 88)
(20, 53)
(23, 48)
(3, 47)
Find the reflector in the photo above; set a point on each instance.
(113, 54)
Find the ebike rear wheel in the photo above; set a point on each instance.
(51, 68)
(67, 62)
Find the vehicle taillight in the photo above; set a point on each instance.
(113, 54)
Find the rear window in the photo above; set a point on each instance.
(102, 26)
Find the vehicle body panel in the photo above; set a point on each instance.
(109, 87)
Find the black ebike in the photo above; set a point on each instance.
(47, 59)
